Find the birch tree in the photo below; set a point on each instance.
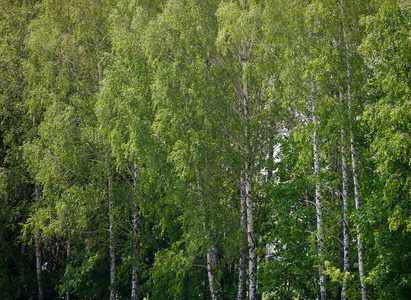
(387, 35)
(62, 82)
(238, 39)
(125, 114)
(16, 182)
(188, 93)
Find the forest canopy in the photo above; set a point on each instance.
(205, 149)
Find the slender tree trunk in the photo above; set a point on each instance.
(252, 260)
(112, 256)
(364, 294)
(37, 247)
(361, 270)
(68, 261)
(346, 237)
(241, 271)
(112, 247)
(318, 294)
(38, 266)
(241, 275)
(211, 252)
(319, 210)
(211, 262)
(21, 271)
(135, 277)
(243, 57)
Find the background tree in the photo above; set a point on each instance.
(385, 48)
(65, 43)
(17, 278)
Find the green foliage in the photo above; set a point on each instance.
(341, 277)
(83, 277)
(115, 109)
(16, 275)
(386, 51)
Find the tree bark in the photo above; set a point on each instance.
(360, 248)
(112, 248)
(345, 200)
(364, 294)
(135, 277)
(252, 261)
(241, 270)
(21, 271)
(68, 261)
(211, 262)
(37, 247)
(38, 266)
(211, 252)
(241, 275)
(319, 211)
(243, 57)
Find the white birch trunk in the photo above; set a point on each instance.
(241, 275)
(37, 247)
(21, 271)
(135, 276)
(211, 252)
(346, 237)
(241, 268)
(252, 261)
(68, 260)
(319, 210)
(112, 248)
(243, 56)
(211, 261)
(361, 270)
(38, 267)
